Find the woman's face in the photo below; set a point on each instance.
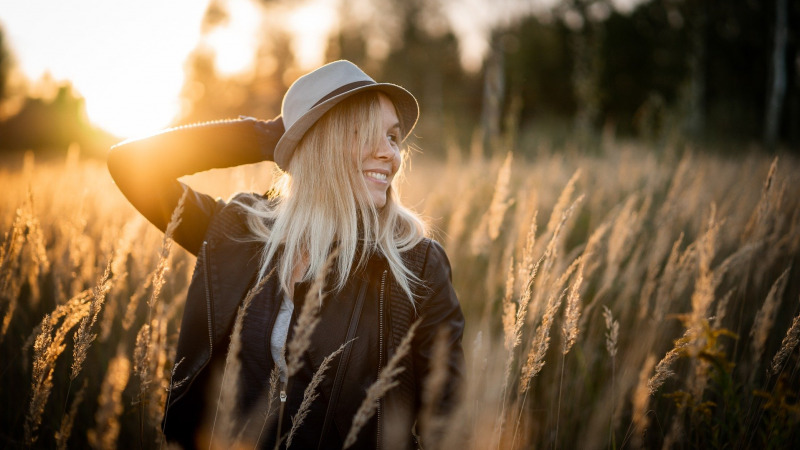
(379, 165)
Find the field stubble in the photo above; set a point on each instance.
(629, 299)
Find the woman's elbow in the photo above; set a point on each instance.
(113, 161)
(122, 164)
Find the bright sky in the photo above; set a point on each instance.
(127, 58)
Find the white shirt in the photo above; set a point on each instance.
(279, 332)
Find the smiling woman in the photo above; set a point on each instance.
(331, 240)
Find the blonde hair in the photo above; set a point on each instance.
(322, 203)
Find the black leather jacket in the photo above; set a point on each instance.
(215, 231)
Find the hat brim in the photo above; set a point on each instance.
(405, 104)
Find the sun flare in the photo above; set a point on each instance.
(125, 59)
(310, 26)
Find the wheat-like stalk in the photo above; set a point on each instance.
(141, 360)
(172, 386)
(640, 400)
(47, 347)
(150, 350)
(612, 332)
(84, 336)
(589, 266)
(387, 379)
(509, 311)
(158, 358)
(664, 367)
(9, 263)
(756, 226)
(500, 201)
(541, 342)
(311, 393)
(572, 313)
(562, 202)
(787, 346)
(549, 258)
(612, 337)
(514, 338)
(272, 389)
(722, 308)
(76, 305)
(702, 298)
(119, 270)
(528, 258)
(161, 267)
(42, 379)
(489, 227)
(528, 272)
(308, 320)
(765, 317)
(35, 258)
(625, 227)
(703, 295)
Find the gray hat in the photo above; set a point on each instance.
(315, 93)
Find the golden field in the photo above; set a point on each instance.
(628, 298)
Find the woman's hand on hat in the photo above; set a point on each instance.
(269, 133)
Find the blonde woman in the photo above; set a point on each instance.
(339, 154)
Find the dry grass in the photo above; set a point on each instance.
(310, 393)
(387, 379)
(687, 249)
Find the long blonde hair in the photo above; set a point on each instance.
(322, 203)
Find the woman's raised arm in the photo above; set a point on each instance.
(146, 170)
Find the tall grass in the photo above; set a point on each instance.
(629, 298)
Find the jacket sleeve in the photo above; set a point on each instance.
(440, 313)
(147, 170)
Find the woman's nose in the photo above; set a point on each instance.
(385, 150)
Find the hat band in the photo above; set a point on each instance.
(343, 89)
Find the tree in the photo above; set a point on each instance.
(777, 79)
(5, 66)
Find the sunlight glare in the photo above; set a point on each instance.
(311, 25)
(126, 59)
(235, 43)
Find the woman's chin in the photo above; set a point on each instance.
(378, 199)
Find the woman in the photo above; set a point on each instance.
(340, 153)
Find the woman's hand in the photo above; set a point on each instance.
(269, 133)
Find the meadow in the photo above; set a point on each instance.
(631, 297)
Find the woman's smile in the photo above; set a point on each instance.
(377, 176)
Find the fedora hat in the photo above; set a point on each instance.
(315, 93)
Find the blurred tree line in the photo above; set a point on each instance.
(50, 121)
(702, 70)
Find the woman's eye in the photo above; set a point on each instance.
(392, 138)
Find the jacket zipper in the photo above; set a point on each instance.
(208, 296)
(204, 255)
(380, 352)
